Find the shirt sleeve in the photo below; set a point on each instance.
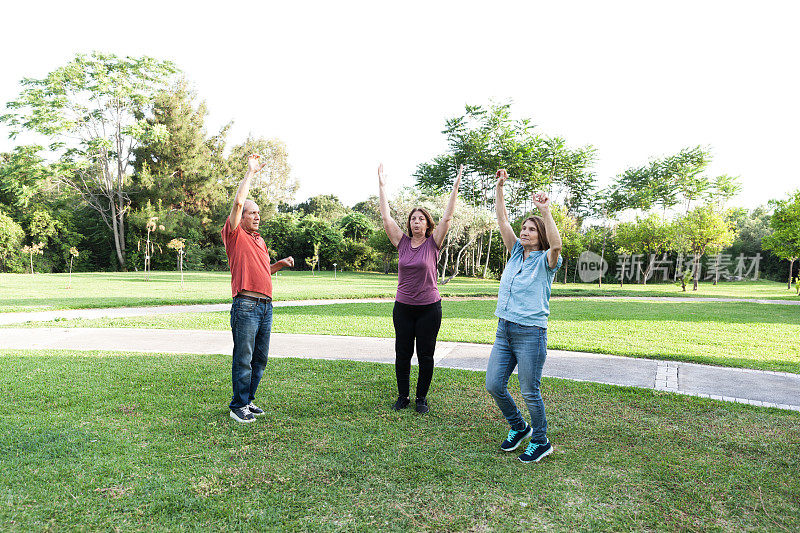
(228, 235)
(517, 249)
(402, 241)
(547, 262)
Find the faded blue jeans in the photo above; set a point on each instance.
(525, 347)
(251, 323)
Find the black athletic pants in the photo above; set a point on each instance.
(420, 322)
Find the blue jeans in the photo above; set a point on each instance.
(525, 347)
(251, 322)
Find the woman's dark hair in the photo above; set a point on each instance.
(538, 222)
(428, 218)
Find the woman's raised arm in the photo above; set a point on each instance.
(440, 231)
(389, 225)
(506, 231)
(541, 201)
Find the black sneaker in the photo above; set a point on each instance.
(534, 452)
(241, 414)
(256, 410)
(401, 403)
(515, 438)
(422, 405)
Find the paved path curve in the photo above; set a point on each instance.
(117, 312)
(755, 387)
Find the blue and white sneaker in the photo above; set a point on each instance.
(514, 438)
(534, 452)
(254, 409)
(242, 415)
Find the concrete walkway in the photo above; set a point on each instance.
(755, 387)
(117, 312)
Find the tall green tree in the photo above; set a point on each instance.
(326, 207)
(356, 226)
(784, 241)
(648, 236)
(23, 176)
(11, 236)
(571, 237)
(485, 139)
(183, 170)
(701, 230)
(670, 181)
(92, 110)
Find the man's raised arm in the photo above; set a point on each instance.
(253, 166)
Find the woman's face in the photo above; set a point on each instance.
(528, 236)
(419, 224)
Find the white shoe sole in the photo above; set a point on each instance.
(545, 454)
(240, 420)
(525, 436)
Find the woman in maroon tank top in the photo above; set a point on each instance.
(417, 312)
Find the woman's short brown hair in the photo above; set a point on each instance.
(538, 222)
(428, 218)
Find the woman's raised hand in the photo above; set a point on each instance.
(541, 200)
(381, 176)
(502, 176)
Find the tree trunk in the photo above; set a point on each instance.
(602, 260)
(649, 268)
(446, 257)
(622, 274)
(115, 230)
(120, 197)
(694, 271)
(488, 254)
(716, 270)
(457, 261)
(788, 284)
(565, 270)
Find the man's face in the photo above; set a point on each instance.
(251, 217)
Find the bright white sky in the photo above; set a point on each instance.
(349, 84)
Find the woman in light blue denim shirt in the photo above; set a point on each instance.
(523, 305)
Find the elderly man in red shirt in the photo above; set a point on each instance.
(251, 288)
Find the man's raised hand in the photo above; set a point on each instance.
(289, 261)
(254, 165)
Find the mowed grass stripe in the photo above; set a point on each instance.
(122, 441)
(25, 292)
(745, 335)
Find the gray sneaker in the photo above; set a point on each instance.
(242, 415)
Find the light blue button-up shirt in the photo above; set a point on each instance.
(524, 295)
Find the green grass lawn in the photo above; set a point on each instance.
(25, 292)
(109, 441)
(747, 335)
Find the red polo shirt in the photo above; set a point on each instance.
(248, 260)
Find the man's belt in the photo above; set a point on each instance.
(266, 300)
